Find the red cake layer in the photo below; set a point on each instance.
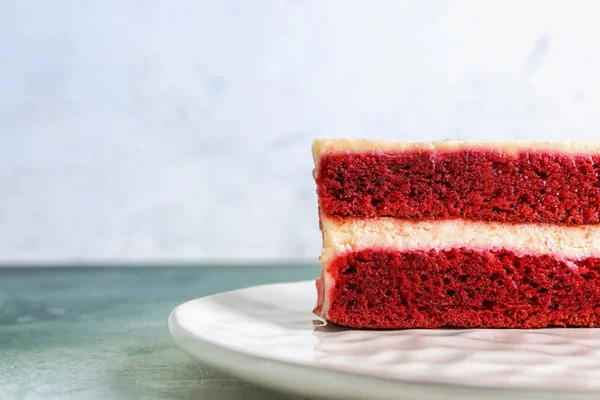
(486, 185)
(462, 288)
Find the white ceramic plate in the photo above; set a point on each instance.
(267, 335)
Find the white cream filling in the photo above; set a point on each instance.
(565, 241)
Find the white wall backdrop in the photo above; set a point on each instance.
(181, 130)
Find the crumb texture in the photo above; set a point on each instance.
(483, 185)
(461, 288)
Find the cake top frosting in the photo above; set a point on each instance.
(326, 146)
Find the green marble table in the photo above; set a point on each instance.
(101, 332)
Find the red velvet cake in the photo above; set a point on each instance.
(459, 234)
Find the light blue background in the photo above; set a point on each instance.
(181, 130)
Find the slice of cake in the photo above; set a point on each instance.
(458, 234)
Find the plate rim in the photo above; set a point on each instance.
(220, 358)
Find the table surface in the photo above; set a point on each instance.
(101, 332)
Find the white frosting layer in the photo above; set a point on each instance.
(571, 242)
(325, 146)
